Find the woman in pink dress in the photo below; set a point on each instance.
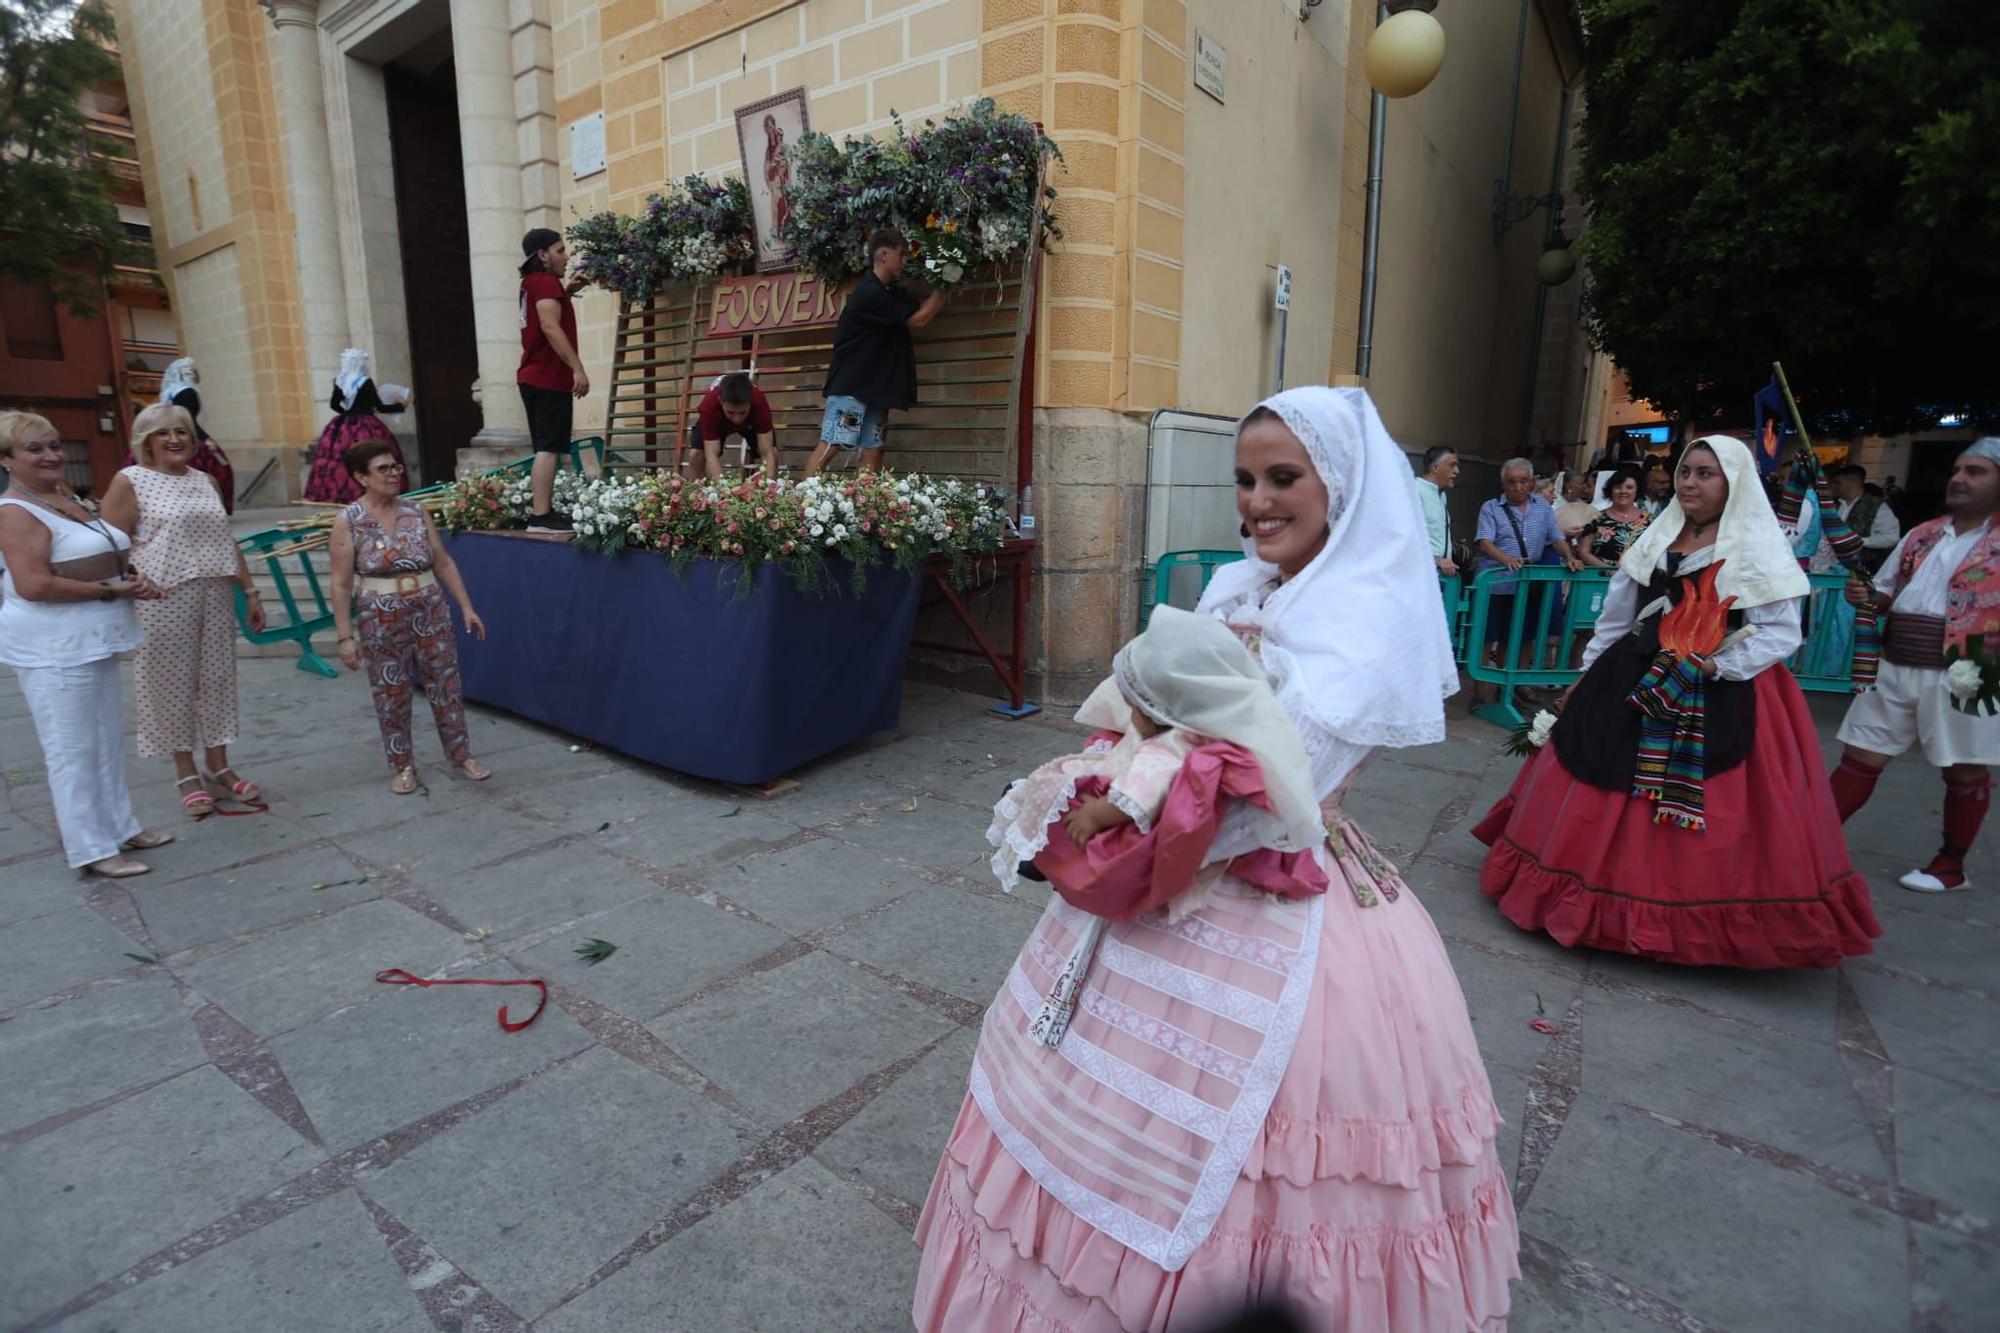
(1275, 1097)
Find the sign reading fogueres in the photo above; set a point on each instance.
(768, 301)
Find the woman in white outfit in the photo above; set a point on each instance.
(65, 615)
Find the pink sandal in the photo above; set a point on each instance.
(197, 802)
(240, 789)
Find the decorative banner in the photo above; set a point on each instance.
(789, 300)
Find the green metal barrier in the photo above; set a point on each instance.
(307, 611)
(1531, 622)
(1160, 580)
(1457, 605)
(1841, 682)
(302, 618)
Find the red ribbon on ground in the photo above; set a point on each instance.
(249, 808)
(396, 976)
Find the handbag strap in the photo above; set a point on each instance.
(1520, 537)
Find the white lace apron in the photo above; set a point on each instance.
(1139, 1121)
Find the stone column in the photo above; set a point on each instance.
(483, 56)
(309, 178)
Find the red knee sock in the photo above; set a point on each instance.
(1964, 811)
(1853, 784)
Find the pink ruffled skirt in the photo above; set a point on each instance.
(1373, 1199)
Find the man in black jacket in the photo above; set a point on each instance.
(874, 369)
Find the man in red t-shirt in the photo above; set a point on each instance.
(551, 376)
(733, 406)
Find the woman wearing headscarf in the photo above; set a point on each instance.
(1278, 1094)
(1680, 810)
(177, 389)
(356, 401)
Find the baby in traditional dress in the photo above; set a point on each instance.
(1185, 688)
(1139, 765)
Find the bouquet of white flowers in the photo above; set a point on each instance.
(1531, 735)
(1972, 678)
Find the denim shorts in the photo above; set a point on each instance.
(850, 424)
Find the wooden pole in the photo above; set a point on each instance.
(1798, 422)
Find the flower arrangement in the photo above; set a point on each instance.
(478, 502)
(867, 519)
(1972, 678)
(1531, 735)
(698, 229)
(978, 171)
(965, 190)
(839, 194)
(611, 251)
(945, 253)
(701, 227)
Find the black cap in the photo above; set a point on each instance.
(538, 240)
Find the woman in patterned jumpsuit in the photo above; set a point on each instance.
(390, 576)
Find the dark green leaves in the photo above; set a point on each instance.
(56, 211)
(1811, 181)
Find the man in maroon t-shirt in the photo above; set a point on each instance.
(551, 376)
(734, 407)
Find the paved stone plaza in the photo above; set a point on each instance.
(731, 1123)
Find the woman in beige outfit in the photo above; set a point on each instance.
(186, 673)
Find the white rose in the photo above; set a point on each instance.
(1962, 678)
(1539, 729)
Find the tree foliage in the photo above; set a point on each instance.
(1811, 181)
(58, 224)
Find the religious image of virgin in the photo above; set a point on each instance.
(777, 174)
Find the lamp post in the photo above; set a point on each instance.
(1405, 51)
(1404, 54)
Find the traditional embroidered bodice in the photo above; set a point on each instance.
(1972, 601)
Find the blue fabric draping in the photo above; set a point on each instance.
(679, 671)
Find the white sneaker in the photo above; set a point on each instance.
(1923, 881)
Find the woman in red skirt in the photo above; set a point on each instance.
(355, 403)
(1681, 809)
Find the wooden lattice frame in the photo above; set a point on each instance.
(970, 362)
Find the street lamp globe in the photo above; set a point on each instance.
(1404, 53)
(1555, 266)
